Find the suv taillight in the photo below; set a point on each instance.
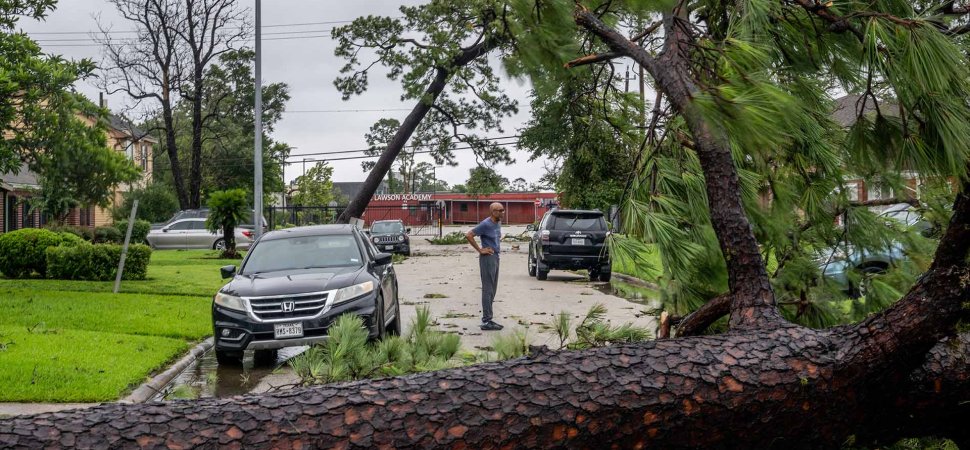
(545, 235)
(248, 234)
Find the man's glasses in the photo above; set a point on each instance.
(500, 210)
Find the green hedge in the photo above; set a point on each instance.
(22, 252)
(97, 262)
(69, 239)
(85, 233)
(138, 233)
(107, 235)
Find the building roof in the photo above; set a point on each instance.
(24, 178)
(847, 108)
(125, 126)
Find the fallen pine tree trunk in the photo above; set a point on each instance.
(781, 387)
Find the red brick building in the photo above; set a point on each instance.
(453, 208)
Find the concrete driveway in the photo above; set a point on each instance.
(522, 301)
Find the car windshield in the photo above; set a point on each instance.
(578, 222)
(386, 228)
(303, 252)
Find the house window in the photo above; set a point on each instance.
(85, 219)
(144, 156)
(463, 207)
(129, 149)
(879, 192)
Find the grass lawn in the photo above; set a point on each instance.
(75, 341)
(647, 267)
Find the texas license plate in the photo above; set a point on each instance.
(287, 330)
(579, 241)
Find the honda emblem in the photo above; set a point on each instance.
(288, 306)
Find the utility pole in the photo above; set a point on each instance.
(258, 156)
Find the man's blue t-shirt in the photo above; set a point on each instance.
(490, 232)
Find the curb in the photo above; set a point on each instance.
(148, 390)
(634, 280)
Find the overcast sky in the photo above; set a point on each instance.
(308, 66)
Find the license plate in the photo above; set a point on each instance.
(388, 247)
(287, 330)
(579, 241)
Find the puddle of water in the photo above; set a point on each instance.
(631, 292)
(206, 378)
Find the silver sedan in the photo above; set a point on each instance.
(191, 233)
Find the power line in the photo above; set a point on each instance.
(130, 39)
(343, 110)
(264, 26)
(407, 146)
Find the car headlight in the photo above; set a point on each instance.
(376, 239)
(400, 237)
(230, 302)
(352, 292)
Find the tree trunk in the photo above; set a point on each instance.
(767, 389)
(173, 155)
(195, 175)
(752, 299)
(359, 203)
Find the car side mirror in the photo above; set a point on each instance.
(530, 227)
(165, 230)
(383, 259)
(408, 230)
(227, 271)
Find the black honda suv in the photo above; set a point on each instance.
(391, 236)
(570, 239)
(294, 283)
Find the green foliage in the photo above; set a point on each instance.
(108, 235)
(156, 203)
(485, 180)
(511, 345)
(22, 252)
(425, 42)
(227, 209)
(595, 331)
(69, 239)
(97, 262)
(138, 233)
(84, 233)
(315, 188)
(348, 355)
(453, 238)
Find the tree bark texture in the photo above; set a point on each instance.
(171, 148)
(359, 203)
(767, 389)
(753, 302)
(195, 174)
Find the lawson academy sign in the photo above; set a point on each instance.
(401, 197)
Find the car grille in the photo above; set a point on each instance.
(288, 307)
(387, 239)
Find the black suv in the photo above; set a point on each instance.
(391, 236)
(292, 286)
(570, 239)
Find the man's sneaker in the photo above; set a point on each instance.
(491, 326)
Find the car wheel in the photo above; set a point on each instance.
(220, 244)
(265, 357)
(229, 358)
(394, 329)
(605, 276)
(868, 272)
(542, 274)
(379, 319)
(532, 265)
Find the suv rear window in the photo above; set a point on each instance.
(577, 222)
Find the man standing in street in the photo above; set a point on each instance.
(490, 231)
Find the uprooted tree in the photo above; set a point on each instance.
(729, 75)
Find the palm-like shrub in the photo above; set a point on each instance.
(227, 209)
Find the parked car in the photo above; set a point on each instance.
(391, 236)
(191, 233)
(570, 239)
(203, 213)
(295, 282)
(836, 265)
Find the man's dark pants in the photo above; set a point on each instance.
(489, 267)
